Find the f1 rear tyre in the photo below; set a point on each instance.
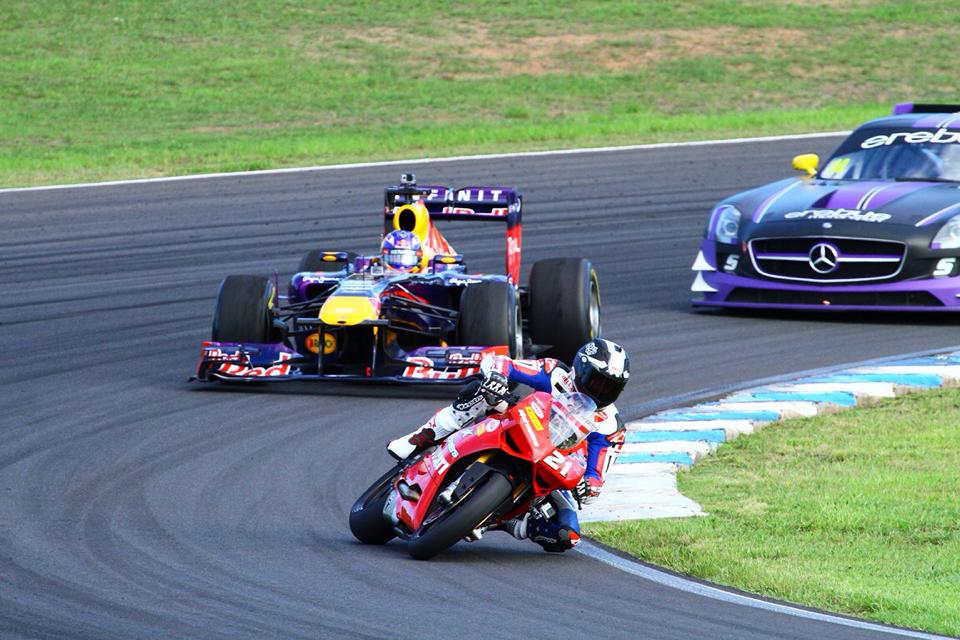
(564, 305)
(242, 312)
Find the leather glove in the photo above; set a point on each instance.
(588, 490)
(495, 388)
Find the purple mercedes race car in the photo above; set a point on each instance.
(429, 319)
(877, 227)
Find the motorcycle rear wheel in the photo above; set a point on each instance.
(461, 519)
(367, 522)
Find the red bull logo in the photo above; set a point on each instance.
(241, 370)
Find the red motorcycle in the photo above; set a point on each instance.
(479, 477)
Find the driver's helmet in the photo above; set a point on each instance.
(401, 251)
(600, 370)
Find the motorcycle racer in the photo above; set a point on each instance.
(601, 369)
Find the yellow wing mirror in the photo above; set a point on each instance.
(807, 162)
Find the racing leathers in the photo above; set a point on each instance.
(554, 524)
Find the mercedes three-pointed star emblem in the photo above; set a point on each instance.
(824, 258)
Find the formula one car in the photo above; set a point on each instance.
(877, 227)
(349, 317)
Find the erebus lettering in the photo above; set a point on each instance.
(941, 136)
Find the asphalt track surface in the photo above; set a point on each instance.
(136, 505)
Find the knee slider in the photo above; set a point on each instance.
(565, 540)
(553, 538)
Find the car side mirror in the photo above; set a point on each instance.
(807, 162)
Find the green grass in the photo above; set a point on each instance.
(118, 88)
(856, 512)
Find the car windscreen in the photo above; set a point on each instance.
(891, 153)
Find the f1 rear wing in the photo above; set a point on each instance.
(480, 203)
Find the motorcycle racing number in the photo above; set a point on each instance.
(558, 462)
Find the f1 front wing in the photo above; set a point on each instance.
(244, 362)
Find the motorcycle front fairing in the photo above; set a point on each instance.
(419, 483)
(522, 434)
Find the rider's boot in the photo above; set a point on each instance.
(470, 404)
(413, 443)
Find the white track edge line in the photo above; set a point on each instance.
(716, 593)
(388, 163)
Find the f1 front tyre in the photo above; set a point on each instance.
(242, 312)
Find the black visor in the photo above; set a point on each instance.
(602, 388)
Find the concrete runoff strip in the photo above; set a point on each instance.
(842, 398)
(695, 449)
(661, 496)
(949, 373)
(677, 438)
(860, 390)
(731, 428)
(703, 435)
(927, 380)
(701, 414)
(784, 408)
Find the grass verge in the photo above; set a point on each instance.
(111, 89)
(855, 512)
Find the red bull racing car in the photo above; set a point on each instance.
(350, 317)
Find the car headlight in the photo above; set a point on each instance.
(949, 235)
(724, 224)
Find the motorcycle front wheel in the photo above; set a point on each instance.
(443, 531)
(367, 522)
